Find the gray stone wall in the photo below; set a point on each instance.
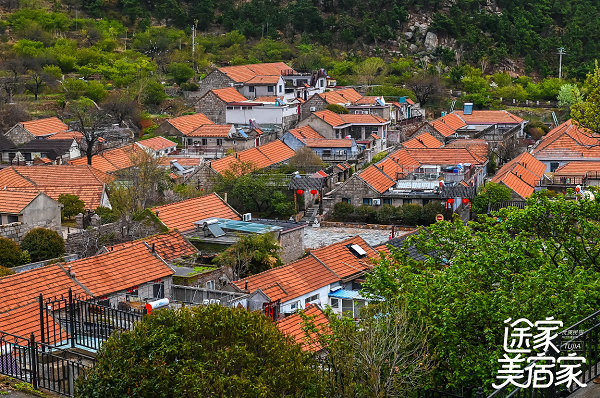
(203, 178)
(14, 231)
(215, 79)
(18, 135)
(212, 107)
(145, 292)
(167, 129)
(425, 128)
(44, 212)
(313, 102)
(319, 125)
(292, 243)
(354, 188)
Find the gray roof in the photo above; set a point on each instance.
(412, 250)
(53, 148)
(307, 183)
(286, 225)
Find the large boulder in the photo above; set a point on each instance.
(431, 41)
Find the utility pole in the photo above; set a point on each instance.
(561, 52)
(194, 43)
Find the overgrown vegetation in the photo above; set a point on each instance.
(408, 214)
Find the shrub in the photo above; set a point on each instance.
(365, 213)
(72, 205)
(153, 93)
(106, 215)
(429, 211)
(11, 254)
(386, 214)
(342, 211)
(336, 108)
(181, 72)
(411, 214)
(43, 244)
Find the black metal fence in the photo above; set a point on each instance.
(78, 323)
(41, 365)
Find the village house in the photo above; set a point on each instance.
(213, 104)
(414, 175)
(267, 79)
(24, 132)
(88, 183)
(157, 146)
(585, 173)
(30, 210)
(125, 276)
(405, 110)
(523, 175)
(295, 327)
(320, 101)
(265, 156)
(329, 276)
(52, 151)
(329, 150)
(111, 161)
(263, 111)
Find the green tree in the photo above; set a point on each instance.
(586, 113)
(72, 205)
(11, 254)
(153, 93)
(342, 211)
(251, 254)
(180, 72)
(490, 194)
(568, 95)
(43, 244)
(337, 108)
(370, 69)
(201, 351)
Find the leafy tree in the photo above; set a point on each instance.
(568, 95)
(305, 159)
(585, 113)
(370, 69)
(153, 93)
(201, 351)
(490, 194)
(251, 254)
(11, 254)
(181, 72)
(337, 108)
(72, 205)
(410, 214)
(531, 264)
(43, 244)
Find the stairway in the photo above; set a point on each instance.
(310, 214)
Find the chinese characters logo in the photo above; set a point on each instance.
(531, 355)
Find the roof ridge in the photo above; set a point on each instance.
(74, 279)
(24, 177)
(323, 264)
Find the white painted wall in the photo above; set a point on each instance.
(266, 114)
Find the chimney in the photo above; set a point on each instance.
(153, 251)
(246, 285)
(225, 197)
(156, 212)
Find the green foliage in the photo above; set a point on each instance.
(72, 205)
(11, 254)
(342, 211)
(43, 244)
(490, 194)
(408, 214)
(537, 262)
(568, 95)
(585, 113)
(77, 88)
(392, 91)
(180, 72)
(251, 254)
(153, 93)
(337, 108)
(106, 215)
(201, 351)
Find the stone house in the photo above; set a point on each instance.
(319, 101)
(329, 150)
(34, 209)
(522, 175)
(333, 125)
(213, 104)
(24, 132)
(182, 125)
(55, 151)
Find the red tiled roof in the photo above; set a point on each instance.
(424, 140)
(375, 136)
(188, 123)
(83, 181)
(521, 174)
(578, 168)
(255, 157)
(320, 174)
(478, 147)
(44, 127)
(327, 143)
(260, 157)
(444, 156)
(276, 151)
(447, 125)
(185, 162)
(294, 325)
(489, 117)
(245, 73)
(229, 94)
(211, 130)
(568, 141)
(157, 143)
(111, 160)
(339, 259)
(393, 169)
(335, 119)
(182, 215)
(380, 181)
(341, 96)
(169, 246)
(305, 132)
(13, 202)
(63, 135)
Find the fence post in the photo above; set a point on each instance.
(72, 319)
(42, 320)
(33, 362)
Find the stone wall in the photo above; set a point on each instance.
(203, 178)
(313, 102)
(354, 188)
(14, 231)
(212, 107)
(293, 245)
(18, 135)
(215, 79)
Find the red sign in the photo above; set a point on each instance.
(439, 217)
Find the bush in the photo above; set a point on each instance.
(189, 86)
(153, 93)
(106, 215)
(43, 244)
(11, 254)
(386, 214)
(429, 211)
(336, 108)
(342, 211)
(72, 205)
(181, 72)
(365, 213)
(411, 214)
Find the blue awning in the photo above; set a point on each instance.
(347, 294)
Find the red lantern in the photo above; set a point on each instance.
(450, 201)
(313, 191)
(465, 201)
(300, 191)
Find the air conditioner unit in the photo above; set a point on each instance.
(313, 108)
(206, 301)
(247, 217)
(377, 202)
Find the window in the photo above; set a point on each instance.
(347, 305)
(12, 219)
(270, 89)
(346, 200)
(335, 303)
(204, 141)
(425, 201)
(294, 306)
(553, 166)
(251, 89)
(368, 201)
(387, 201)
(407, 201)
(230, 108)
(132, 292)
(358, 304)
(211, 285)
(280, 88)
(310, 299)
(219, 141)
(158, 290)
(326, 152)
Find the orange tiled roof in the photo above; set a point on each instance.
(373, 176)
(63, 135)
(568, 141)
(182, 215)
(293, 326)
(244, 73)
(211, 130)
(83, 181)
(424, 140)
(188, 123)
(489, 117)
(477, 146)
(276, 151)
(393, 169)
(169, 246)
(254, 156)
(260, 157)
(341, 96)
(339, 259)
(44, 127)
(111, 160)
(327, 143)
(521, 174)
(305, 132)
(444, 156)
(229, 94)
(447, 125)
(13, 202)
(335, 119)
(157, 143)
(578, 168)
(185, 162)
